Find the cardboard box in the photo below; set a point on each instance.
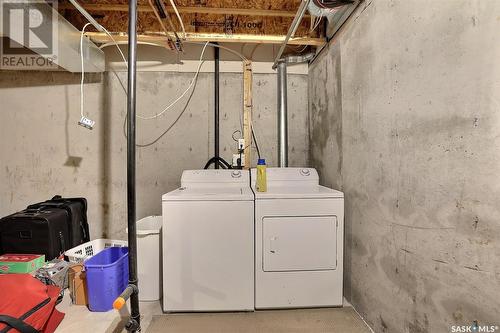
(20, 263)
(77, 285)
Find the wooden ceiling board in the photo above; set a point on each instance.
(116, 21)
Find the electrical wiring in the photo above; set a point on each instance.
(256, 144)
(313, 22)
(192, 83)
(126, 43)
(189, 98)
(318, 21)
(116, 44)
(145, 145)
(300, 49)
(83, 70)
(179, 18)
(195, 78)
(241, 56)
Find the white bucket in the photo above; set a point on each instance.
(149, 257)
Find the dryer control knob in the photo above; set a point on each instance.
(236, 174)
(305, 172)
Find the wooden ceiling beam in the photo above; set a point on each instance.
(187, 10)
(99, 37)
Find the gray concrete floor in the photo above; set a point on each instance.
(334, 320)
(79, 319)
(331, 320)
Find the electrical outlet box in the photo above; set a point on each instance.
(241, 144)
(86, 122)
(235, 159)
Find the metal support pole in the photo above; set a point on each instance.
(282, 116)
(134, 322)
(216, 103)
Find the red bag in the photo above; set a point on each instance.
(27, 305)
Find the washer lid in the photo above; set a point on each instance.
(221, 193)
(215, 178)
(298, 192)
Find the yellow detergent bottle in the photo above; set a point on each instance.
(261, 183)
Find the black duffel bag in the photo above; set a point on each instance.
(36, 231)
(77, 211)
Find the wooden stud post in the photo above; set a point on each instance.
(247, 111)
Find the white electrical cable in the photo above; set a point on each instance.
(117, 46)
(195, 78)
(192, 81)
(221, 47)
(313, 21)
(179, 18)
(83, 70)
(317, 22)
(124, 42)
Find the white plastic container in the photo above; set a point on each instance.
(86, 250)
(149, 257)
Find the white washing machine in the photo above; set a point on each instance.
(208, 243)
(299, 237)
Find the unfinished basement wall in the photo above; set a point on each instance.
(405, 119)
(44, 152)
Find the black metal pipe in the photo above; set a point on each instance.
(134, 323)
(216, 105)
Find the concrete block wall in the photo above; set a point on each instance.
(405, 119)
(44, 152)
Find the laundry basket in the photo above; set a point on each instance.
(86, 250)
(107, 277)
(149, 257)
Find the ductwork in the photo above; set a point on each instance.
(297, 59)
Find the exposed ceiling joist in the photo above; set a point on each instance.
(99, 37)
(187, 10)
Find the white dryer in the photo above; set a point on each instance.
(208, 243)
(299, 237)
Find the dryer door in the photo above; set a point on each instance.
(299, 243)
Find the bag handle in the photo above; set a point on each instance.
(84, 231)
(17, 324)
(32, 210)
(61, 243)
